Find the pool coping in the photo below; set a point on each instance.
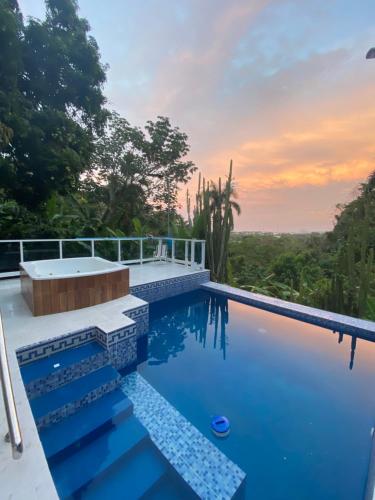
(326, 319)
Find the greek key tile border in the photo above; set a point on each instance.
(107, 340)
(158, 290)
(141, 317)
(45, 348)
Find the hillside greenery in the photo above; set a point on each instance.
(333, 270)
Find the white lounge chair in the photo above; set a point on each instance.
(161, 252)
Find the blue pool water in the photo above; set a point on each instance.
(300, 398)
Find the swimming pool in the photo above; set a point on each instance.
(300, 398)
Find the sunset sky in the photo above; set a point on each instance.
(282, 87)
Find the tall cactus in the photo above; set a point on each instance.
(213, 214)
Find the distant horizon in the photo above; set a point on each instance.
(277, 232)
(282, 88)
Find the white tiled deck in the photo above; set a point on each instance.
(157, 271)
(29, 477)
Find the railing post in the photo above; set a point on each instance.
(173, 251)
(192, 254)
(21, 251)
(118, 250)
(92, 248)
(60, 249)
(186, 252)
(13, 435)
(141, 252)
(203, 256)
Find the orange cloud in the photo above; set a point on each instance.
(331, 150)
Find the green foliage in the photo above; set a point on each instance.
(138, 170)
(67, 166)
(333, 271)
(51, 101)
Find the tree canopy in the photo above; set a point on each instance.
(136, 171)
(51, 101)
(63, 155)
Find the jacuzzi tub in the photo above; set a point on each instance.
(58, 285)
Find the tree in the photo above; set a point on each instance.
(10, 65)
(56, 102)
(139, 169)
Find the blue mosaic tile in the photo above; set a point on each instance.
(141, 317)
(123, 354)
(59, 378)
(163, 289)
(203, 466)
(73, 406)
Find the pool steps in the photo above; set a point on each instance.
(69, 398)
(137, 472)
(80, 427)
(62, 367)
(95, 446)
(92, 460)
(69, 357)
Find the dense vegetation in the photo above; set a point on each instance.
(70, 167)
(333, 271)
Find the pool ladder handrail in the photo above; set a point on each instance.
(13, 435)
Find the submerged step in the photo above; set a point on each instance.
(79, 427)
(58, 361)
(65, 400)
(98, 456)
(171, 487)
(131, 477)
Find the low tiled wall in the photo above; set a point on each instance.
(163, 289)
(121, 345)
(141, 317)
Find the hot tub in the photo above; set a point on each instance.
(58, 285)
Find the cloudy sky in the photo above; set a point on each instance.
(280, 86)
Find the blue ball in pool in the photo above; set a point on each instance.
(220, 426)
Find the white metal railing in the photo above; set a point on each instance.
(16, 251)
(13, 435)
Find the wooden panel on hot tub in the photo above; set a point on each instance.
(51, 296)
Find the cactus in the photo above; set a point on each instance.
(213, 220)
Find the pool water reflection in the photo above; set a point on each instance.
(300, 398)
